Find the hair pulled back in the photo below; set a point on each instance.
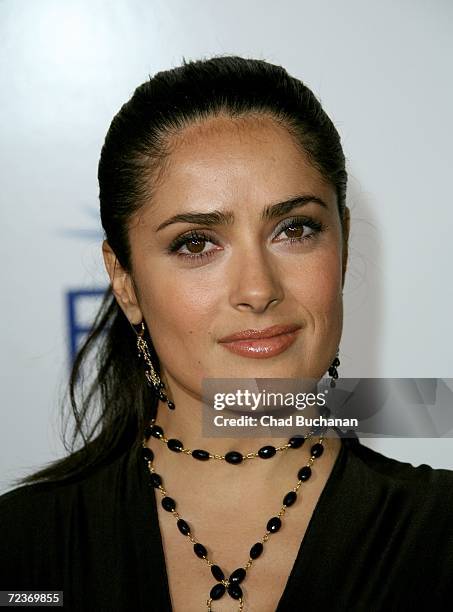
(109, 413)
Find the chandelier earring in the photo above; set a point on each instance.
(333, 372)
(152, 377)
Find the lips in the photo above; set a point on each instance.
(261, 344)
(256, 334)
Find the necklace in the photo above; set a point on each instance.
(233, 457)
(232, 584)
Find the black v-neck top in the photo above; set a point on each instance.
(380, 538)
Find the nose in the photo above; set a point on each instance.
(254, 280)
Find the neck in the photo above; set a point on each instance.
(254, 479)
(195, 428)
(219, 431)
(185, 424)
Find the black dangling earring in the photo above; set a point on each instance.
(152, 377)
(333, 369)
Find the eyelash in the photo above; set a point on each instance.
(200, 236)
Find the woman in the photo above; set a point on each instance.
(222, 191)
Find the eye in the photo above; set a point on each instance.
(194, 242)
(300, 229)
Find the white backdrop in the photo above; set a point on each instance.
(382, 72)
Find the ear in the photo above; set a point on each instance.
(122, 285)
(346, 225)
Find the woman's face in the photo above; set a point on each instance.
(195, 283)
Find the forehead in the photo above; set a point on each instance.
(228, 161)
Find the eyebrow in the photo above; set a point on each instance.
(220, 217)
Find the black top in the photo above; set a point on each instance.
(380, 538)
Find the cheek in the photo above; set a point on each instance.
(178, 310)
(317, 283)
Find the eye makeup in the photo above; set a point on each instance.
(199, 237)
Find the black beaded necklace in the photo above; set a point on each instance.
(230, 585)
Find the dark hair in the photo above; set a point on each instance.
(110, 416)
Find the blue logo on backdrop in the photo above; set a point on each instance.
(82, 304)
(78, 302)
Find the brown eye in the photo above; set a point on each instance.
(298, 230)
(192, 246)
(295, 231)
(197, 244)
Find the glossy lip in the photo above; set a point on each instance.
(263, 347)
(252, 334)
